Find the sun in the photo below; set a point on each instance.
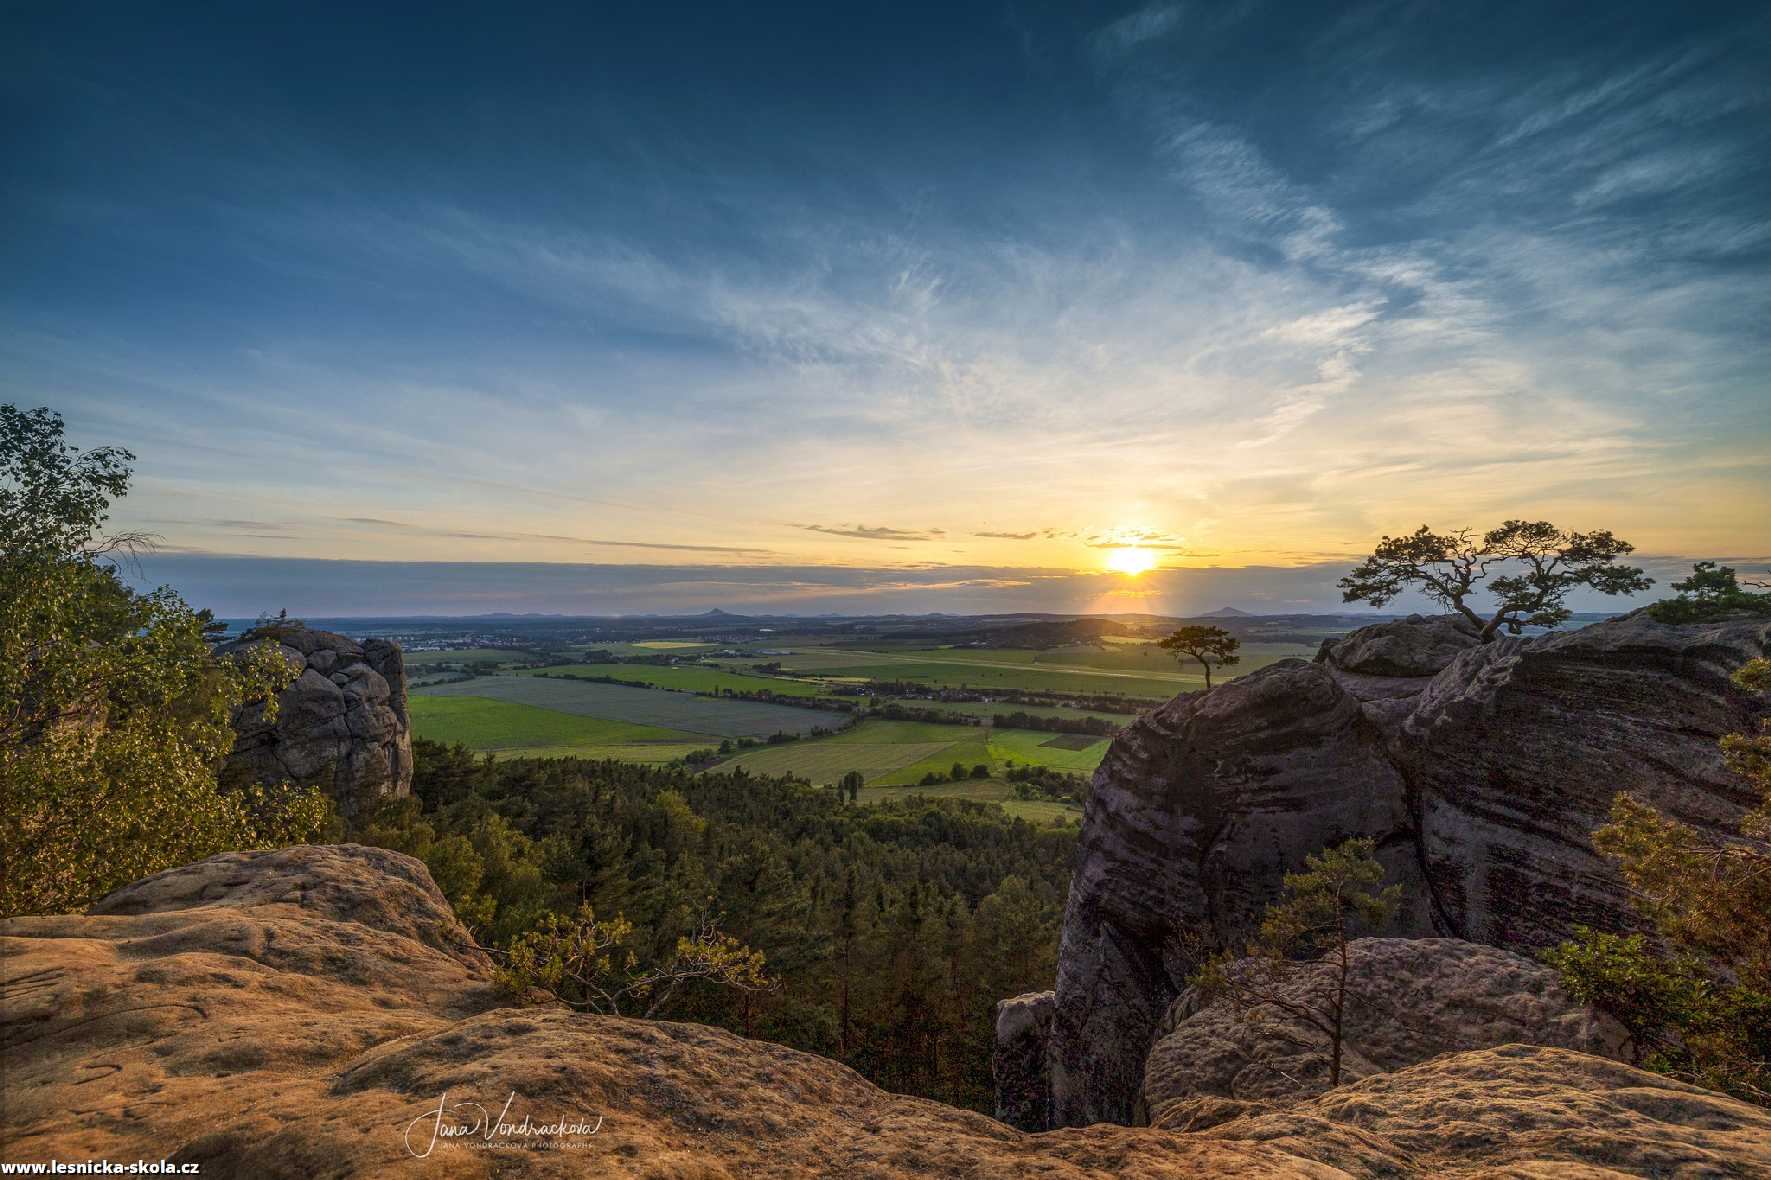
(1131, 561)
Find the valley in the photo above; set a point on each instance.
(908, 705)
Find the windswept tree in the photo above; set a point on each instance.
(1528, 569)
(1299, 968)
(1211, 646)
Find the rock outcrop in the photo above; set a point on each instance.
(1479, 769)
(1023, 1089)
(1412, 999)
(340, 724)
(318, 1012)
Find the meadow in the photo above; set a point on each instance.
(1002, 670)
(482, 657)
(642, 706)
(507, 727)
(985, 710)
(900, 753)
(688, 678)
(540, 711)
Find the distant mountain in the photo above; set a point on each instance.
(1226, 612)
(504, 614)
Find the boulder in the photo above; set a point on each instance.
(1410, 1000)
(341, 724)
(1023, 1088)
(317, 1012)
(1416, 646)
(1481, 779)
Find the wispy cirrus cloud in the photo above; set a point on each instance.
(873, 532)
(1256, 277)
(375, 522)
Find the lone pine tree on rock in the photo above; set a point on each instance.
(1299, 966)
(1209, 645)
(1544, 562)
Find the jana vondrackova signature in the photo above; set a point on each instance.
(470, 1120)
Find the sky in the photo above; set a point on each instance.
(858, 307)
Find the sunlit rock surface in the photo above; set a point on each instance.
(304, 1013)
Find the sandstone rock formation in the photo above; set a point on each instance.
(1023, 1029)
(1480, 769)
(1412, 999)
(304, 1013)
(341, 724)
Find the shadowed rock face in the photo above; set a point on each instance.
(1411, 999)
(1481, 774)
(289, 1014)
(341, 724)
(1023, 1091)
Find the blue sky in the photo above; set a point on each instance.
(875, 307)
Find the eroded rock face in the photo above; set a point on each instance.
(1481, 778)
(1412, 999)
(342, 724)
(301, 1013)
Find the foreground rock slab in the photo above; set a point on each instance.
(316, 1011)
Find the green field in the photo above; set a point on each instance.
(989, 709)
(899, 753)
(644, 647)
(825, 761)
(968, 753)
(983, 668)
(1033, 748)
(1037, 811)
(688, 678)
(1003, 675)
(1070, 741)
(645, 752)
(1140, 670)
(485, 724)
(642, 706)
(471, 656)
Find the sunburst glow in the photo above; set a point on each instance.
(1131, 561)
